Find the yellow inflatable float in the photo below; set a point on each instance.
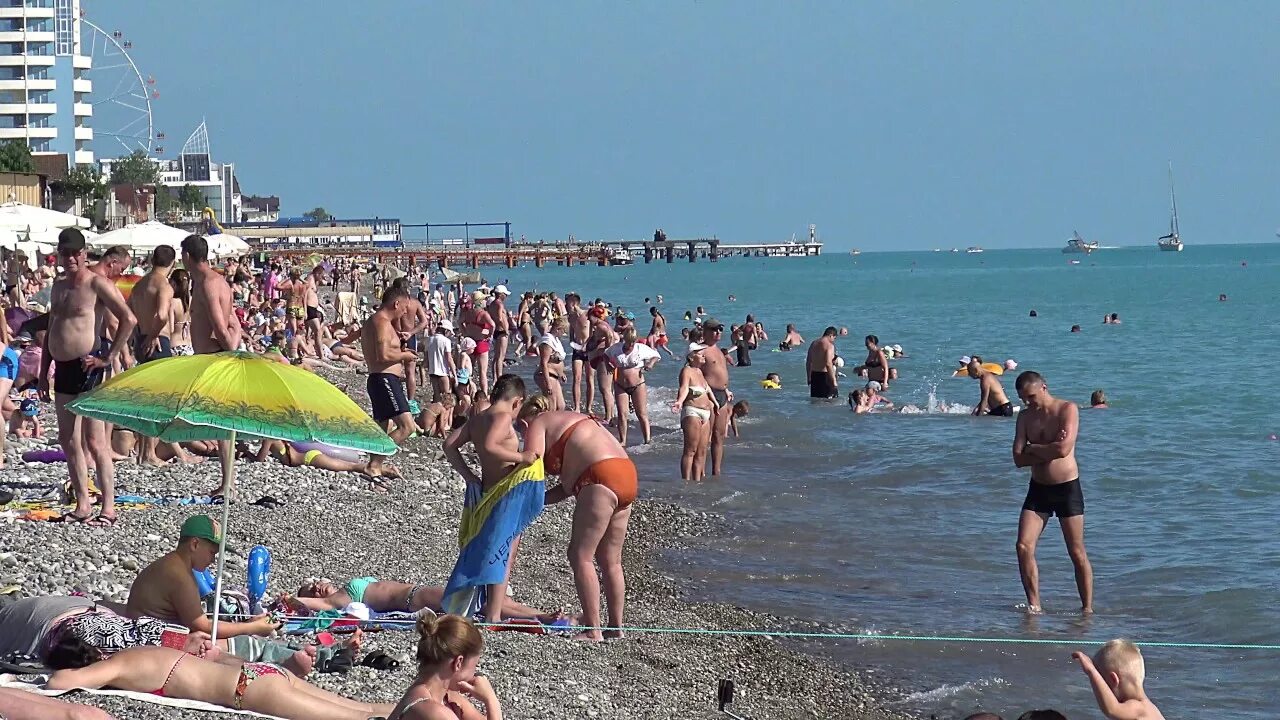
(993, 368)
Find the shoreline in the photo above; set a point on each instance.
(358, 532)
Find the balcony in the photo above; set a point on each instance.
(30, 12)
(82, 86)
(81, 62)
(84, 133)
(28, 132)
(82, 110)
(23, 108)
(19, 60)
(83, 157)
(28, 84)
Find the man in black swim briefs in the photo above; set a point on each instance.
(821, 366)
(991, 398)
(78, 303)
(1045, 441)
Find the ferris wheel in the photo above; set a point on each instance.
(121, 96)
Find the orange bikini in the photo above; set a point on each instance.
(617, 474)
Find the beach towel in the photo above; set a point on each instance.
(490, 522)
(37, 686)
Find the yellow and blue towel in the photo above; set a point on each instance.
(491, 521)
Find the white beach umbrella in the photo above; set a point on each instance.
(142, 238)
(224, 245)
(20, 216)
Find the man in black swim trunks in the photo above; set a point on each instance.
(1045, 441)
(991, 398)
(385, 353)
(821, 366)
(78, 304)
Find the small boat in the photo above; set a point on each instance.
(855, 251)
(955, 250)
(1078, 244)
(973, 250)
(620, 257)
(1173, 241)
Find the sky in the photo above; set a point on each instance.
(889, 125)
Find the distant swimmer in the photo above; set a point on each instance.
(1098, 400)
(1045, 441)
(1075, 328)
(1222, 297)
(791, 339)
(821, 366)
(991, 399)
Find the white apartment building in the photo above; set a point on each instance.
(44, 94)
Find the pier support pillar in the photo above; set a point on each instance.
(714, 254)
(511, 260)
(475, 261)
(648, 253)
(568, 261)
(693, 255)
(671, 254)
(538, 261)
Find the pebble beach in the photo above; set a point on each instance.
(333, 525)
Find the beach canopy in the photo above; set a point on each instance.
(33, 250)
(453, 276)
(20, 216)
(223, 245)
(222, 395)
(141, 238)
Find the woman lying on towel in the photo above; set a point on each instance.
(390, 596)
(448, 651)
(256, 687)
(594, 468)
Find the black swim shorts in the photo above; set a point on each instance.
(164, 350)
(820, 386)
(70, 378)
(387, 396)
(1064, 499)
(580, 356)
(1005, 410)
(313, 313)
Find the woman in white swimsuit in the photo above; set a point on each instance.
(448, 650)
(696, 406)
(550, 372)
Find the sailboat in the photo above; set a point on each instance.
(1078, 244)
(1173, 241)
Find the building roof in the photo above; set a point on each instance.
(269, 203)
(54, 167)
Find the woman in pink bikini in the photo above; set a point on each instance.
(256, 687)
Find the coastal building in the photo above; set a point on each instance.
(43, 85)
(194, 166)
(254, 209)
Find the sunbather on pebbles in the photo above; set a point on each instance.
(319, 594)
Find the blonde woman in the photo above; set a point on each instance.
(697, 406)
(449, 650)
(631, 359)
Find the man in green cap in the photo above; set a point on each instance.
(167, 590)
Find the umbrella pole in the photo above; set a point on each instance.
(227, 453)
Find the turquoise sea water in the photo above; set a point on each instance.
(902, 524)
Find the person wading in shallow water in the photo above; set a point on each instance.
(1045, 441)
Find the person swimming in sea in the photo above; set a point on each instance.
(1098, 400)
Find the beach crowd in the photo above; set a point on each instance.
(507, 381)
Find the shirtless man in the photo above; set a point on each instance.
(1045, 441)
(820, 365)
(152, 304)
(311, 305)
(410, 326)
(385, 354)
(214, 327)
(497, 447)
(602, 337)
(501, 333)
(478, 325)
(658, 332)
(991, 398)
(715, 368)
(166, 589)
(791, 339)
(295, 292)
(110, 265)
(579, 329)
(78, 303)
(15, 272)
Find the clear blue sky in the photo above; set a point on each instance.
(891, 125)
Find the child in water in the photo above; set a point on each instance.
(1098, 400)
(1116, 673)
(772, 381)
(740, 409)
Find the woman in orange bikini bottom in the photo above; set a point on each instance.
(618, 474)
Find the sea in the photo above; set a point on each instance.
(903, 524)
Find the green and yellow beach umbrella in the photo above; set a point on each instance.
(223, 395)
(212, 397)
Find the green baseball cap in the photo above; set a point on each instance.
(202, 527)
